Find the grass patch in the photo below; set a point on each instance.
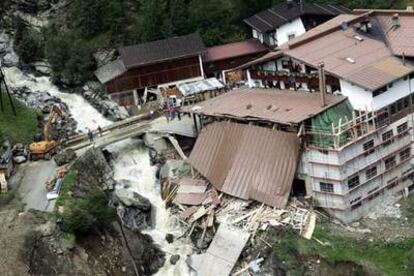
(20, 128)
(68, 183)
(390, 258)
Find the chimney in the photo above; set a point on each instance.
(322, 84)
(396, 20)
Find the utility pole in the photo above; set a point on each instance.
(3, 83)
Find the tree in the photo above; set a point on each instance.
(93, 17)
(215, 20)
(27, 43)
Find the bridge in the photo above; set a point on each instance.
(132, 127)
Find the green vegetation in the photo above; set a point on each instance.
(91, 25)
(390, 258)
(20, 128)
(79, 214)
(28, 43)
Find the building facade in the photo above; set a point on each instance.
(352, 163)
(152, 65)
(285, 21)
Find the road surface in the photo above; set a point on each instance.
(32, 189)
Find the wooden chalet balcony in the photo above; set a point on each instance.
(285, 76)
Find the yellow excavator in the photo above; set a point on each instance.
(45, 149)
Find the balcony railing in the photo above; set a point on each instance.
(287, 76)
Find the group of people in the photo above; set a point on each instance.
(91, 134)
(171, 111)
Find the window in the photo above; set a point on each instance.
(379, 91)
(355, 200)
(390, 162)
(371, 172)
(373, 190)
(355, 206)
(368, 147)
(285, 64)
(405, 154)
(402, 129)
(387, 137)
(353, 182)
(326, 187)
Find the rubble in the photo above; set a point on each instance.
(93, 93)
(64, 157)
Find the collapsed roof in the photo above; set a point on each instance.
(248, 162)
(274, 17)
(273, 105)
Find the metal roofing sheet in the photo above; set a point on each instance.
(110, 71)
(236, 49)
(267, 57)
(400, 39)
(272, 18)
(374, 65)
(248, 162)
(191, 88)
(280, 106)
(162, 50)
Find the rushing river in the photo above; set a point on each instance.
(132, 164)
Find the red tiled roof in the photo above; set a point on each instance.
(236, 49)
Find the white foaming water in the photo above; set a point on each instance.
(133, 165)
(85, 114)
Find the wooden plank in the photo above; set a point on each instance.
(3, 183)
(190, 199)
(187, 189)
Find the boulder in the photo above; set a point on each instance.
(65, 157)
(10, 60)
(169, 238)
(43, 68)
(132, 199)
(20, 159)
(174, 259)
(134, 218)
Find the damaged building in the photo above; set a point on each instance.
(356, 152)
(249, 146)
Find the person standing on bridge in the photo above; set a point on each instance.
(90, 135)
(100, 130)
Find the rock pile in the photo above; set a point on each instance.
(94, 94)
(133, 209)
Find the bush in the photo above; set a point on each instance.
(80, 215)
(28, 43)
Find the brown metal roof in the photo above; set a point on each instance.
(267, 57)
(277, 15)
(336, 45)
(248, 162)
(400, 39)
(279, 106)
(161, 50)
(235, 49)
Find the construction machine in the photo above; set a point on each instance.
(46, 148)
